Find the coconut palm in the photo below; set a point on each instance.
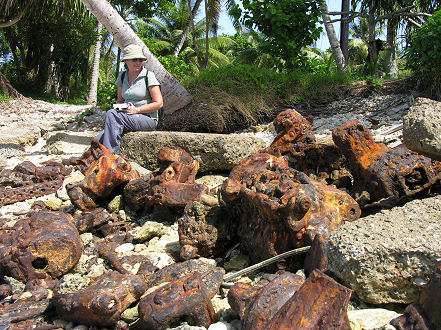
(175, 95)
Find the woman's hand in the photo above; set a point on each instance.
(132, 110)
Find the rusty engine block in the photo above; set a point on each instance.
(103, 176)
(279, 208)
(384, 173)
(27, 181)
(45, 245)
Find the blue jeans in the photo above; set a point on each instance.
(118, 122)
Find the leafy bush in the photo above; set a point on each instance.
(107, 94)
(424, 54)
(175, 65)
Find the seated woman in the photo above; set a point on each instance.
(143, 101)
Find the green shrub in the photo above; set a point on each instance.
(107, 94)
(424, 54)
(175, 65)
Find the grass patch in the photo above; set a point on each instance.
(260, 89)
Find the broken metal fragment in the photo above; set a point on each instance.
(31, 304)
(27, 181)
(182, 299)
(257, 304)
(280, 208)
(320, 303)
(45, 245)
(103, 176)
(102, 302)
(210, 275)
(205, 230)
(384, 173)
(295, 139)
(173, 185)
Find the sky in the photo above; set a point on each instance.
(322, 42)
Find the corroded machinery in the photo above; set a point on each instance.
(280, 208)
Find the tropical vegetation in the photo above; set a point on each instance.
(48, 47)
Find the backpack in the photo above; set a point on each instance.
(160, 111)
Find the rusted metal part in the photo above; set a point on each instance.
(171, 186)
(45, 245)
(87, 221)
(257, 304)
(295, 139)
(292, 128)
(103, 176)
(27, 181)
(205, 230)
(137, 191)
(382, 172)
(426, 312)
(89, 157)
(5, 290)
(210, 275)
(35, 304)
(102, 302)
(320, 303)
(280, 208)
(185, 298)
(317, 256)
(175, 164)
(175, 194)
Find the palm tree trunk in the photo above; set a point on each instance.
(196, 46)
(178, 47)
(207, 44)
(175, 95)
(391, 51)
(333, 40)
(50, 73)
(96, 68)
(344, 29)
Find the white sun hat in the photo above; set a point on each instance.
(132, 52)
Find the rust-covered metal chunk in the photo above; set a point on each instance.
(102, 177)
(320, 303)
(296, 140)
(280, 208)
(182, 299)
(384, 173)
(292, 130)
(175, 164)
(32, 304)
(173, 185)
(27, 181)
(45, 245)
(102, 302)
(205, 230)
(211, 276)
(257, 304)
(425, 313)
